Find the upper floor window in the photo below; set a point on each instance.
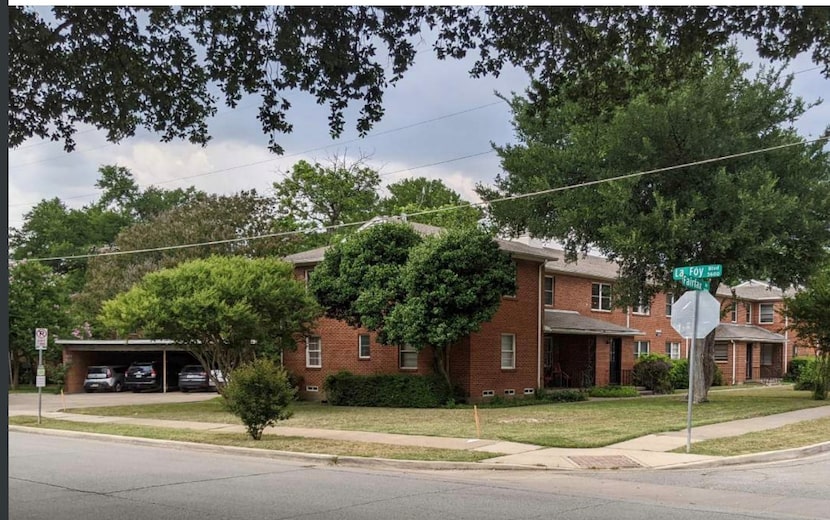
(642, 307)
(766, 313)
(734, 312)
(600, 297)
(364, 346)
(669, 303)
(508, 351)
(313, 352)
(548, 290)
(748, 311)
(640, 349)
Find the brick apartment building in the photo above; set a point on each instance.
(558, 330)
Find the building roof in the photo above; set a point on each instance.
(571, 322)
(755, 290)
(746, 333)
(517, 249)
(590, 266)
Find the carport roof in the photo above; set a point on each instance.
(112, 345)
(748, 333)
(571, 322)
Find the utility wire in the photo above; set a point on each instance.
(438, 210)
(304, 152)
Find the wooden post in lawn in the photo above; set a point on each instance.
(478, 422)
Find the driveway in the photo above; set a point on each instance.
(26, 404)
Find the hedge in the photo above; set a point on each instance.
(386, 390)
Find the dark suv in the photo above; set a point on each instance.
(147, 375)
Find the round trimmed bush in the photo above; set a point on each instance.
(259, 393)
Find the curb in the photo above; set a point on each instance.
(291, 456)
(754, 458)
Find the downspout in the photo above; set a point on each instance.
(734, 362)
(786, 341)
(541, 310)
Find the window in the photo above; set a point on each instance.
(734, 312)
(748, 310)
(721, 351)
(673, 349)
(642, 307)
(669, 303)
(766, 313)
(408, 358)
(508, 351)
(640, 349)
(364, 346)
(548, 290)
(766, 354)
(313, 352)
(600, 297)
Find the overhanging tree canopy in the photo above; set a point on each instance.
(121, 68)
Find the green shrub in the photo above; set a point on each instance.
(795, 368)
(613, 391)
(679, 373)
(564, 396)
(56, 375)
(810, 378)
(652, 372)
(259, 393)
(717, 377)
(387, 390)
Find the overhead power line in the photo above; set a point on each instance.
(439, 210)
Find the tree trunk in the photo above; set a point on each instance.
(15, 369)
(441, 358)
(704, 353)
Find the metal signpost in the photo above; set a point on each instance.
(41, 340)
(694, 315)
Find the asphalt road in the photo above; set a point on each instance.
(68, 479)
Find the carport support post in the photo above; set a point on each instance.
(164, 368)
(691, 376)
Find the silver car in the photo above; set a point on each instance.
(109, 378)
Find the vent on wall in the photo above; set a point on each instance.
(509, 391)
(529, 391)
(488, 393)
(312, 389)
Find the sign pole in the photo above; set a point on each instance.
(41, 338)
(691, 376)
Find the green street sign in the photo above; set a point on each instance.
(695, 284)
(697, 271)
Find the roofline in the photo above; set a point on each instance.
(114, 342)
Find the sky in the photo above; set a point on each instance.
(237, 158)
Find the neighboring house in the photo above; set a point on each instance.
(558, 330)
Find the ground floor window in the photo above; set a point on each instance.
(673, 349)
(408, 357)
(364, 347)
(721, 352)
(313, 352)
(766, 354)
(508, 351)
(640, 349)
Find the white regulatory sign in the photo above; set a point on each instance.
(40, 381)
(41, 338)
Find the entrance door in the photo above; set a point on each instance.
(748, 361)
(615, 368)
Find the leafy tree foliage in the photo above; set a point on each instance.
(358, 279)
(416, 195)
(320, 196)
(809, 311)
(213, 218)
(120, 68)
(452, 282)
(225, 310)
(38, 298)
(260, 394)
(762, 216)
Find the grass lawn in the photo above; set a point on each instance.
(569, 425)
(31, 389)
(796, 435)
(268, 442)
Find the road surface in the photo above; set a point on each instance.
(60, 478)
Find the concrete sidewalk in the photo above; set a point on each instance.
(650, 451)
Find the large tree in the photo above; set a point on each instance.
(809, 315)
(452, 283)
(167, 68)
(224, 310)
(418, 196)
(763, 216)
(38, 298)
(211, 220)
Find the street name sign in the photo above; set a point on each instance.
(697, 271)
(695, 284)
(683, 314)
(41, 338)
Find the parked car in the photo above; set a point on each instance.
(148, 375)
(105, 377)
(194, 377)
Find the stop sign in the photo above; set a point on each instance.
(683, 314)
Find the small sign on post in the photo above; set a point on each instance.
(41, 338)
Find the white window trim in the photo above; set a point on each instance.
(674, 345)
(734, 312)
(360, 346)
(669, 303)
(641, 310)
(601, 296)
(512, 351)
(407, 349)
(748, 311)
(639, 353)
(318, 350)
(761, 313)
(545, 290)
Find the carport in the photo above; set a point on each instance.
(83, 353)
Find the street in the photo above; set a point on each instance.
(60, 478)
